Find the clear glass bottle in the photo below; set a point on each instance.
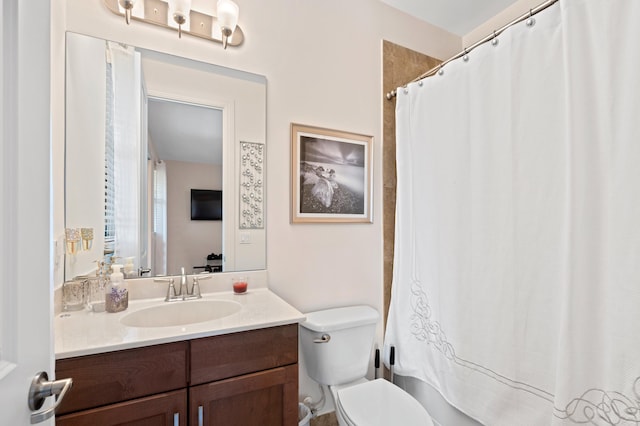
(95, 294)
(73, 294)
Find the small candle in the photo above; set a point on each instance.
(240, 285)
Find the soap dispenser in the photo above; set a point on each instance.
(116, 293)
(129, 268)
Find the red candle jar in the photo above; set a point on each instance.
(240, 285)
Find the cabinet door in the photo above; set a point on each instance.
(113, 377)
(266, 398)
(168, 409)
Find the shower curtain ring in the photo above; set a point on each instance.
(495, 40)
(531, 21)
(440, 70)
(465, 57)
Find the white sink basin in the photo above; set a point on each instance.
(181, 313)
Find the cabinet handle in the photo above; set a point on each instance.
(176, 419)
(200, 415)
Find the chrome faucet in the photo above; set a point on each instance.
(183, 284)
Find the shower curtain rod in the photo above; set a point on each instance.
(493, 36)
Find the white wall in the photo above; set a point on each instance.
(323, 63)
(186, 245)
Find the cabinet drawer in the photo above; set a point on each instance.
(161, 410)
(230, 355)
(118, 376)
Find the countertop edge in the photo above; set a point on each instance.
(171, 339)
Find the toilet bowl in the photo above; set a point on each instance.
(336, 346)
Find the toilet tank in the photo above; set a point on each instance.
(344, 356)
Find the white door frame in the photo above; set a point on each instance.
(26, 307)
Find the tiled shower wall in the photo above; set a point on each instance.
(400, 66)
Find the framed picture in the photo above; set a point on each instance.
(330, 175)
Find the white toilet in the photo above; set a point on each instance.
(336, 346)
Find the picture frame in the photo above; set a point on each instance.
(331, 175)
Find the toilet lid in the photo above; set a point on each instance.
(380, 403)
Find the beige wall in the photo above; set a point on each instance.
(323, 63)
(318, 74)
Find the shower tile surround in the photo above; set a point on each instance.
(400, 65)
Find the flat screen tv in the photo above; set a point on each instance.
(206, 204)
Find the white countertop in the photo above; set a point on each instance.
(86, 333)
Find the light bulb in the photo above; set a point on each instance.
(228, 12)
(180, 10)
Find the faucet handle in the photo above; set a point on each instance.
(170, 289)
(196, 286)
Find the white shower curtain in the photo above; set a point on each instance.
(516, 287)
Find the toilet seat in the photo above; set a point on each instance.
(380, 403)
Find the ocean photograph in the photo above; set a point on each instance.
(332, 176)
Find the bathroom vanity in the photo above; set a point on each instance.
(241, 369)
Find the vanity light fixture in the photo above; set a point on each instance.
(222, 28)
(228, 12)
(180, 10)
(127, 5)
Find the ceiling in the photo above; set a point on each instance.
(459, 17)
(185, 132)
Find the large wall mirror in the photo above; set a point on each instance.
(155, 161)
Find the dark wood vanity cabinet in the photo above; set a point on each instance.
(161, 410)
(144, 386)
(247, 378)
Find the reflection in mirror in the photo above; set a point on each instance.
(179, 169)
(144, 129)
